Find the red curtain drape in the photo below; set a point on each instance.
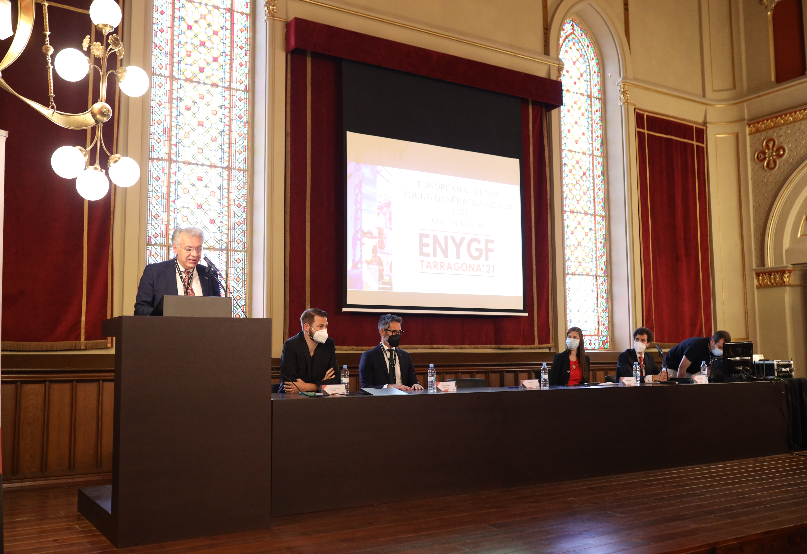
(788, 40)
(57, 257)
(674, 216)
(315, 225)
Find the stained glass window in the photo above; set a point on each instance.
(197, 171)
(584, 213)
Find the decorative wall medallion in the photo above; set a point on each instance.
(624, 93)
(781, 278)
(769, 154)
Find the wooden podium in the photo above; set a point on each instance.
(192, 430)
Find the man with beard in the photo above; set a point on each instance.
(386, 365)
(309, 358)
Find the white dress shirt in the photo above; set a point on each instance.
(196, 285)
(386, 350)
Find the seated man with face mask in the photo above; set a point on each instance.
(688, 355)
(647, 365)
(386, 365)
(309, 358)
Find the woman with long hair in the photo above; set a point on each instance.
(571, 367)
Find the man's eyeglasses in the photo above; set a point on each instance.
(188, 249)
(391, 332)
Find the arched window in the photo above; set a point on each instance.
(197, 172)
(584, 196)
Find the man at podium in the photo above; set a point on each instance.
(179, 276)
(308, 359)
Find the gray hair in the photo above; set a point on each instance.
(189, 231)
(386, 319)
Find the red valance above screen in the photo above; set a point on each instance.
(350, 45)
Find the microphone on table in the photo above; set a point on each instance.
(289, 380)
(664, 367)
(217, 273)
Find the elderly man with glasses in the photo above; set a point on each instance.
(386, 365)
(178, 276)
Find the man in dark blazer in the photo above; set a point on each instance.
(647, 365)
(179, 276)
(308, 359)
(386, 365)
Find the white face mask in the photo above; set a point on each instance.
(320, 336)
(572, 344)
(639, 347)
(717, 352)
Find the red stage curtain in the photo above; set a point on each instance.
(674, 216)
(315, 226)
(788, 40)
(57, 257)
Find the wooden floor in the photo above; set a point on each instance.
(757, 505)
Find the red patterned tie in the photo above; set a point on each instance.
(188, 283)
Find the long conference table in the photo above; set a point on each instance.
(202, 447)
(340, 452)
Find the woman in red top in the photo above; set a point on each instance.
(570, 367)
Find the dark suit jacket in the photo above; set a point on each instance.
(296, 362)
(624, 364)
(373, 368)
(160, 279)
(561, 368)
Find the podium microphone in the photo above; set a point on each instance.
(664, 367)
(217, 273)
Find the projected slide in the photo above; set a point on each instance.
(432, 228)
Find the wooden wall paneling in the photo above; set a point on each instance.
(59, 428)
(107, 408)
(9, 422)
(87, 410)
(30, 411)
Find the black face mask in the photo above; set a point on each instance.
(394, 340)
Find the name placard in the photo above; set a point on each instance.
(700, 379)
(334, 389)
(530, 384)
(628, 381)
(447, 386)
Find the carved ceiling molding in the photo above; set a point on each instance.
(776, 121)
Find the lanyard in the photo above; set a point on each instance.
(186, 285)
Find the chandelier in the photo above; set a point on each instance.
(71, 64)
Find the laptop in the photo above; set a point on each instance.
(194, 306)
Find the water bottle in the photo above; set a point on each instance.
(432, 379)
(544, 376)
(704, 370)
(346, 378)
(636, 373)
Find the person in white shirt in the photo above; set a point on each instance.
(386, 365)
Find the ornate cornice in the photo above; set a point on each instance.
(778, 278)
(624, 93)
(776, 121)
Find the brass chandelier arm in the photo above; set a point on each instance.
(25, 24)
(66, 120)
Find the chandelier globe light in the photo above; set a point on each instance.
(5, 19)
(92, 184)
(68, 161)
(123, 171)
(71, 64)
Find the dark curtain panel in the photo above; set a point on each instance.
(674, 216)
(57, 248)
(788, 40)
(315, 225)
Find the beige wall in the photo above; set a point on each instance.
(704, 61)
